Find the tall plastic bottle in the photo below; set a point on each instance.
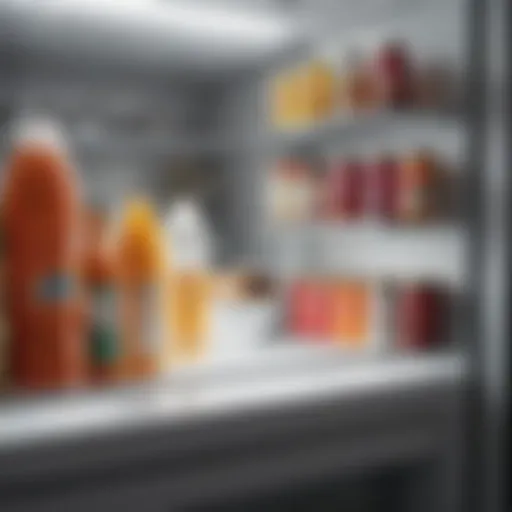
(139, 262)
(43, 234)
(189, 249)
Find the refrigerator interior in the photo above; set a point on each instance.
(158, 115)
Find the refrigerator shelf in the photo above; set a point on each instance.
(284, 375)
(361, 125)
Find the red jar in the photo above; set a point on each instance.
(394, 75)
(384, 188)
(345, 190)
(421, 316)
(310, 307)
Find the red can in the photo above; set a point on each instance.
(385, 187)
(310, 309)
(394, 75)
(422, 316)
(345, 190)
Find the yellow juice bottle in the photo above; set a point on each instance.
(140, 272)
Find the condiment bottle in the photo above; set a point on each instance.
(418, 180)
(345, 193)
(358, 91)
(421, 315)
(310, 308)
(354, 308)
(43, 233)
(394, 74)
(384, 183)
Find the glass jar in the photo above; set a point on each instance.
(310, 308)
(418, 180)
(384, 187)
(354, 305)
(359, 90)
(345, 190)
(394, 74)
(421, 315)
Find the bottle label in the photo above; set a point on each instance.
(104, 336)
(56, 288)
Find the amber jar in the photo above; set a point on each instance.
(353, 305)
(421, 315)
(418, 188)
(358, 89)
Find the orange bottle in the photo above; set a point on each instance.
(352, 318)
(43, 233)
(139, 264)
(101, 289)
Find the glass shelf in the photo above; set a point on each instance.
(361, 124)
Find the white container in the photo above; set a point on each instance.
(240, 328)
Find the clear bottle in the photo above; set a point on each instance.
(189, 250)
